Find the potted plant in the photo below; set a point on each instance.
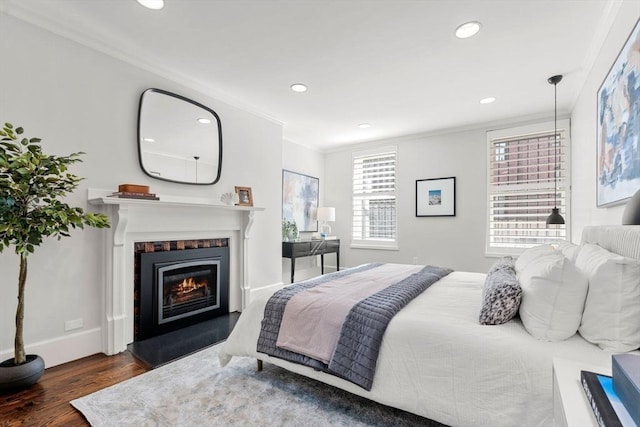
(289, 230)
(32, 186)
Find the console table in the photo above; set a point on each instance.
(306, 248)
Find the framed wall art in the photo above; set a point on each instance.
(618, 123)
(300, 199)
(436, 197)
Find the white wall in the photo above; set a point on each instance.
(583, 129)
(78, 99)
(456, 242)
(307, 161)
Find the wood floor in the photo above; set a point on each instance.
(47, 403)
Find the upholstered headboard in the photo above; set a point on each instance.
(619, 239)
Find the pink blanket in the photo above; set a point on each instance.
(313, 319)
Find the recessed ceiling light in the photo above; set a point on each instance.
(467, 29)
(364, 125)
(299, 87)
(488, 100)
(148, 140)
(204, 121)
(152, 4)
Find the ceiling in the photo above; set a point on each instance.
(395, 64)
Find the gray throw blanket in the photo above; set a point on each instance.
(356, 354)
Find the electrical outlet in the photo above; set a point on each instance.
(70, 325)
(415, 260)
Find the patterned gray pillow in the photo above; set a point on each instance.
(501, 297)
(504, 263)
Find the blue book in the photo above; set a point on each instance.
(605, 403)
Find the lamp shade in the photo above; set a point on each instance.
(631, 215)
(326, 214)
(555, 217)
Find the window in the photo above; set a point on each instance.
(520, 186)
(374, 198)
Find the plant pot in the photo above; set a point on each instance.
(17, 377)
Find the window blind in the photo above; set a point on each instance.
(374, 197)
(522, 192)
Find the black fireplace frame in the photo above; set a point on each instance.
(150, 262)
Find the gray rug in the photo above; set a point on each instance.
(196, 391)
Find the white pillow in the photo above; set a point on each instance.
(531, 254)
(611, 317)
(569, 249)
(553, 295)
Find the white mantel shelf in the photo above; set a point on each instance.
(170, 218)
(101, 197)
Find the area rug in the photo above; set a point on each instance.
(196, 391)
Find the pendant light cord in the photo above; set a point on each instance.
(555, 217)
(555, 144)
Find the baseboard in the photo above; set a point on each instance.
(264, 291)
(63, 349)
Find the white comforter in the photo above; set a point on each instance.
(438, 362)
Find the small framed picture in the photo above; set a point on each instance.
(244, 195)
(436, 197)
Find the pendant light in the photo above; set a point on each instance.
(555, 217)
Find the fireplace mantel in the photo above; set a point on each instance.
(166, 201)
(170, 218)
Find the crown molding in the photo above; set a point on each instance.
(601, 32)
(27, 13)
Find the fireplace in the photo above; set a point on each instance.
(178, 284)
(136, 223)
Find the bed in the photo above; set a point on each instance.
(437, 361)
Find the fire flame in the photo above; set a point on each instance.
(187, 290)
(189, 285)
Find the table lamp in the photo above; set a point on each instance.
(325, 214)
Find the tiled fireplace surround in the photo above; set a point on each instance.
(170, 218)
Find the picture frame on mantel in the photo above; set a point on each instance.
(300, 199)
(618, 142)
(436, 197)
(245, 197)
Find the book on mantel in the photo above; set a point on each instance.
(605, 403)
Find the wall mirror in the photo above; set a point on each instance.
(179, 140)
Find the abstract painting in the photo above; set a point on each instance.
(300, 199)
(618, 133)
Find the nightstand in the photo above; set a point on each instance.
(570, 405)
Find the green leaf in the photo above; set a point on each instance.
(33, 186)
